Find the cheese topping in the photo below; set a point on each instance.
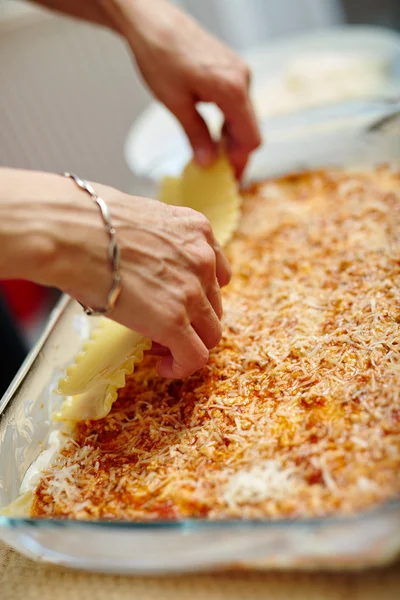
(297, 413)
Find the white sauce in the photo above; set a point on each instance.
(56, 442)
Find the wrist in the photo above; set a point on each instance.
(116, 12)
(132, 18)
(113, 252)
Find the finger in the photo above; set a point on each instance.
(206, 324)
(222, 267)
(241, 133)
(158, 350)
(189, 354)
(204, 148)
(214, 297)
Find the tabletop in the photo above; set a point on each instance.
(22, 579)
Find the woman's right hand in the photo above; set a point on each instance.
(172, 267)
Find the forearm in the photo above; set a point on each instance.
(20, 226)
(99, 12)
(121, 16)
(44, 222)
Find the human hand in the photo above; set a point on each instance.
(183, 65)
(172, 267)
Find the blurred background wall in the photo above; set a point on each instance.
(68, 95)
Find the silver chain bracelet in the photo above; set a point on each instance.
(113, 250)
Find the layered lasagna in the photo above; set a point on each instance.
(297, 413)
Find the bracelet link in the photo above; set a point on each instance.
(113, 253)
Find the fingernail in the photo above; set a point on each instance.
(204, 157)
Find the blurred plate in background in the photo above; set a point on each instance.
(308, 70)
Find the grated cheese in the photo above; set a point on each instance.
(297, 413)
(258, 484)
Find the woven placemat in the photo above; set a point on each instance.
(22, 579)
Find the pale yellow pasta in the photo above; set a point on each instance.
(92, 382)
(212, 191)
(170, 191)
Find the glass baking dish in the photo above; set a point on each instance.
(349, 135)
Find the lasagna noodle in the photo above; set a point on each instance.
(92, 381)
(297, 413)
(212, 191)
